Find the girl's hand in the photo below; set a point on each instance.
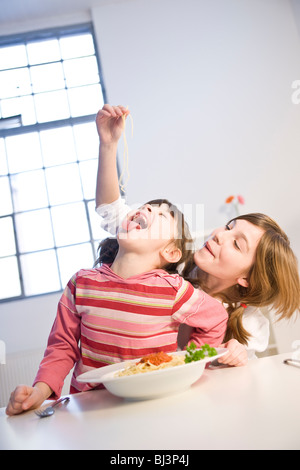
(236, 356)
(110, 123)
(24, 398)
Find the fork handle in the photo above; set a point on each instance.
(60, 401)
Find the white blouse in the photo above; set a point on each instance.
(254, 321)
(112, 215)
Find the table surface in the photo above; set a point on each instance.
(251, 407)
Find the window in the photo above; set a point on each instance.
(50, 91)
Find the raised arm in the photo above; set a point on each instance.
(110, 125)
(109, 205)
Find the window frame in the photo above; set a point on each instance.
(47, 34)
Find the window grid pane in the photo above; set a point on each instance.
(50, 75)
(48, 170)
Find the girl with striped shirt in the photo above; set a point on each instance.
(131, 305)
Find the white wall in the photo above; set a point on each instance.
(208, 83)
(209, 86)
(25, 324)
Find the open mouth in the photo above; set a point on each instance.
(141, 221)
(137, 222)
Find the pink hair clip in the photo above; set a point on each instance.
(244, 305)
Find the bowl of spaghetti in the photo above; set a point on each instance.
(152, 376)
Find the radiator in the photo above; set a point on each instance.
(21, 368)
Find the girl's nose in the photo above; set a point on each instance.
(216, 238)
(148, 207)
(219, 236)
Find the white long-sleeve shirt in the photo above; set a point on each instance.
(254, 321)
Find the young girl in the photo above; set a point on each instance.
(127, 309)
(248, 263)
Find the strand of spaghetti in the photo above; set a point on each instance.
(125, 156)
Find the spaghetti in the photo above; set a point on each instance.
(125, 156)
(156, 361)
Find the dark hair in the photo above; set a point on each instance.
(108, 248)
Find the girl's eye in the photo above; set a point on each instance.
(236, 245)
(227, 227)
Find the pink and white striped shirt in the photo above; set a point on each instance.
(103, 318)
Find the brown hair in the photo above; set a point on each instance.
(108, 248)
(272, 280)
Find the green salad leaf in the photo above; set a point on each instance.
(194, 354)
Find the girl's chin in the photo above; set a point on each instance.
(131, 235)
(202, 256)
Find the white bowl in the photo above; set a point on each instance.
(149, 384)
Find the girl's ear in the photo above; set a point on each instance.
(242, 281)
(171, 253)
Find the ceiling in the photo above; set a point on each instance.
(17, 11)
(12, 11)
